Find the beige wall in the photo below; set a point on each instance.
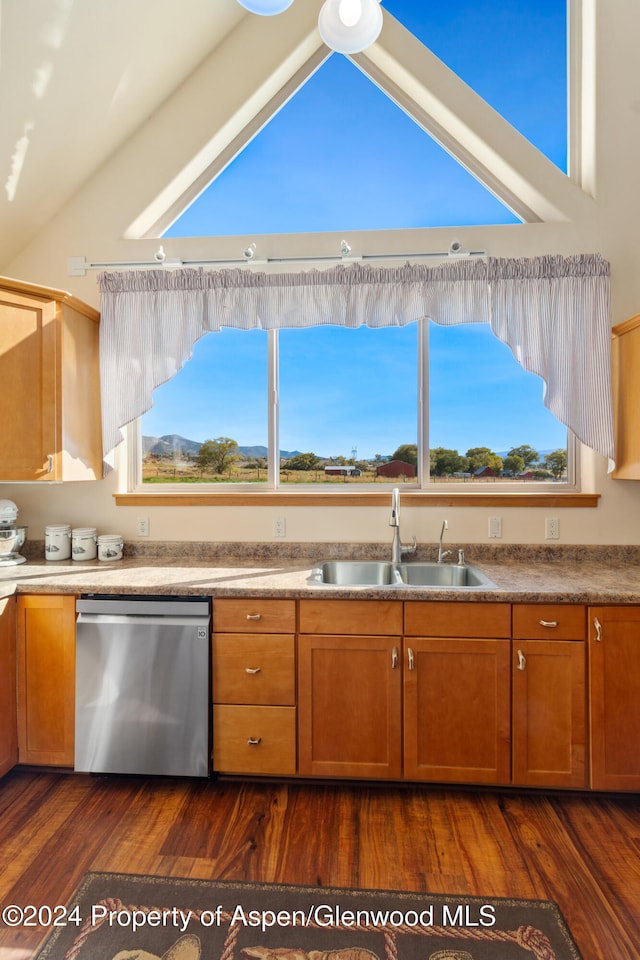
(93, 223)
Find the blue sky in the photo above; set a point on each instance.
(340, 156)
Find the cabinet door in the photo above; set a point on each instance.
(28, 375)
(46, 679)
(8, 719)
(349, 705)
(457, 710)
(614, 677)
(549, 707)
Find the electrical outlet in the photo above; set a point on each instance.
(552, 528)
(279, 527)
(143, 526)
(495, 528)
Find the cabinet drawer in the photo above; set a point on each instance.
(254, 616)
(432, 618)
(254, 669)
(351, 617)
(254, 739)
(548, 621)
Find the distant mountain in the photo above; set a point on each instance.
(172, 443)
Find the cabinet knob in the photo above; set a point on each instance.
(394, 658)
(598, 628)
(254, 616)
(522, 661)
(252, 670)
(254, 741)
(411, 657)
(548, 623)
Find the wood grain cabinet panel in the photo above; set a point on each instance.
(8, 714)
(350, 706)
(49, 370)
(254, 669)
(46, 679)
(457, 711)
(254, 615)
(547, 621)
(614, 695)
(254, 739)
(626, 398)
(430, 618)
(549, 713)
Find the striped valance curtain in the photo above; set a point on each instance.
(552, 311)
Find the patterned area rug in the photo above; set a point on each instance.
(127, 917)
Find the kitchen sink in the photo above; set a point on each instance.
(384, 573)
(352, 573)
(442, 575)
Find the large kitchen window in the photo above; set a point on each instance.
(418, 405)
(423, 405)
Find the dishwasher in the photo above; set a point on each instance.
(143, 685)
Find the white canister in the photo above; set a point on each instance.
(57, 541)
(110, 546)
(84, 543)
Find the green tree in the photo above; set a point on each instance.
(528, 454)
(217, 455)
(513, 463)
(483, 457)
(556, 462)
(408, 453)
(303, 461)
(444, 462)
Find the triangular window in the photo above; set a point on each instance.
(340, 156)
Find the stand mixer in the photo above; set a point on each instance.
(12, 536)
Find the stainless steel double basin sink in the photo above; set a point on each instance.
(384, 573)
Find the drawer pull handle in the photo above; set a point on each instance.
(411, 658)
(598, 629)
(522, 661)
(254, 741)
(394, 659)
(252, 670)
(548, 623)
(254, 616)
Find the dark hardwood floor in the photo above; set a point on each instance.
(581, 851)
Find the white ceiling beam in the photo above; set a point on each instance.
(224, 104)
(470, 130)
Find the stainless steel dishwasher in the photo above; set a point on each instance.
(142, 685)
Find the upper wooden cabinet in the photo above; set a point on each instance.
(626, 398)
(49, 370)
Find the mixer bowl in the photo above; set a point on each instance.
(12, 539)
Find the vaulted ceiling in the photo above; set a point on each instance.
(77, 78)
(83, 80)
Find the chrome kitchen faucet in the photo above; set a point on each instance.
(398, 549)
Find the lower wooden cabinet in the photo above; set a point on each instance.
(614, 678)
(457, 714)
(254, 687)
(8, 716)
(254, 739)
(46, 679)
(549, 713)
(350, 706)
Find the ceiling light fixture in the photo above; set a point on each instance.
(265, 8)
(350, 26)
(346, 26)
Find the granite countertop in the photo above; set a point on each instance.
(569, 575)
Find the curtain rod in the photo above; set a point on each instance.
(78, 266)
